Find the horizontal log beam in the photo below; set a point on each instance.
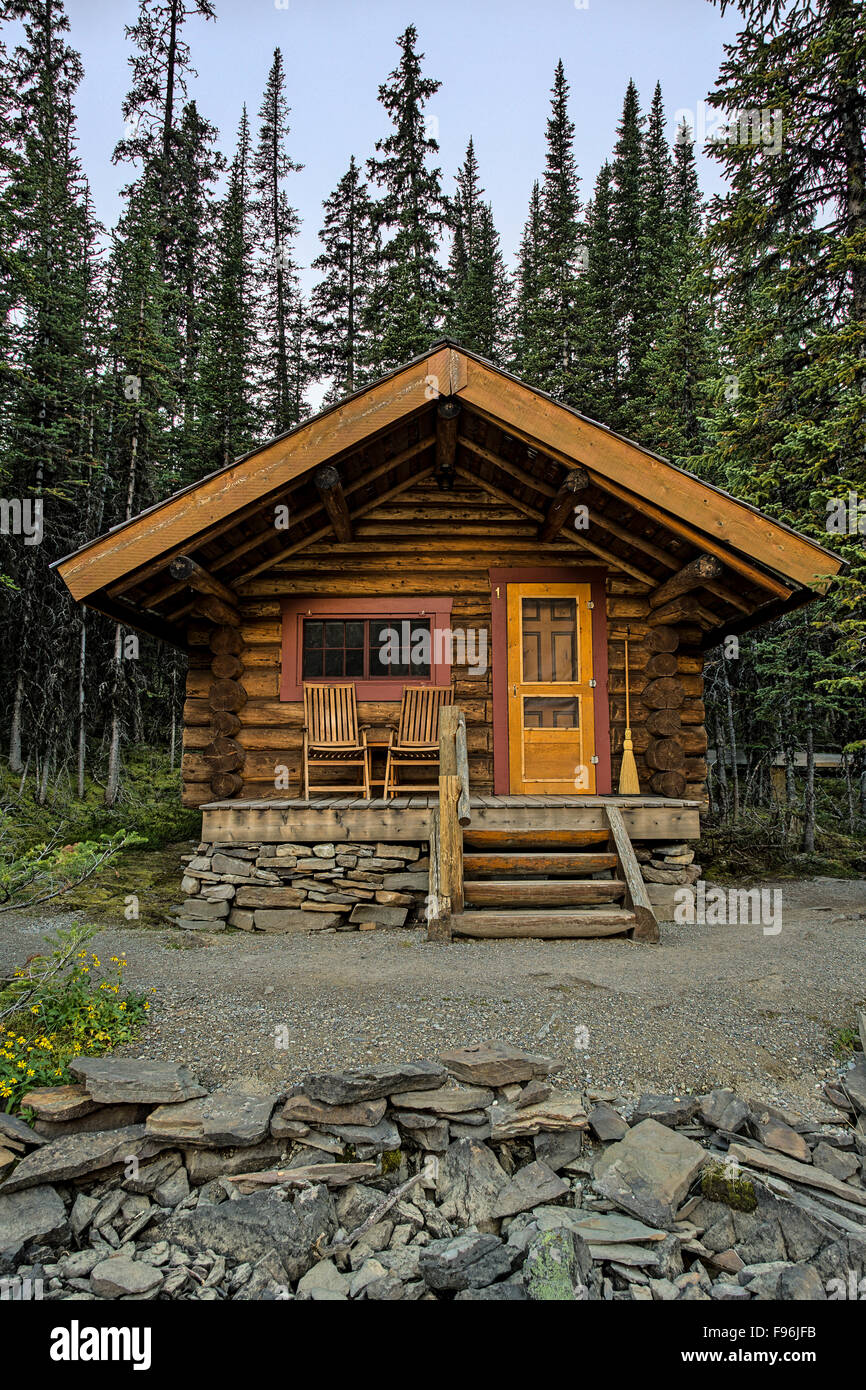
(684, 609)
(536, 515)
(252, 541)
(671, 784)
(520, 475)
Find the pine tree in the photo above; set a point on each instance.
(297, 340)
(527, 347)
(160, 70)
(656, 270)
(371, 361)
(157, 274)
(477, 279)
(188, 269)
(228, 424)
(341, 300)
(598, 370)
(681, 367)
(465, 207)
(144, 366)
(277, 226)
(140, 464)
(626, 225)
(789, 241)
(50, 367)
(493, 292)
(412, 208)
(10, 268)
(790, 238)
(562, 252)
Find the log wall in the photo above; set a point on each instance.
(666, 688)
(426, 542)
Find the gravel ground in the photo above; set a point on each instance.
(709, 1006)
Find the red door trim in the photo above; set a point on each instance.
(596, 577)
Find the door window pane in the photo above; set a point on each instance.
(550, 643)
(551, 712)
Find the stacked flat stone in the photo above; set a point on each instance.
(292, 887)
(667, 870)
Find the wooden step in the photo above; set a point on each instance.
(544, 865)
(531, 839)
(555, 892)
(543, 925)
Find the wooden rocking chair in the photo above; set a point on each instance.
(332, 737)
(417, 740)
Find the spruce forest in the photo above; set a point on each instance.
(727, 334)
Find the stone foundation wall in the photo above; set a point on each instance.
(353, 887)
(304, 887)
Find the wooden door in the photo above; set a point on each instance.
(551, 735)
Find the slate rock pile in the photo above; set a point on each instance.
(302, 888)
(469, 1178)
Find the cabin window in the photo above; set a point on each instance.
(381, 644)
(366, 648)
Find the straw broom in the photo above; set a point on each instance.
(628, 780)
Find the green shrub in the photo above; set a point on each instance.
(149, 805)
(49, 870)
(61, 1006)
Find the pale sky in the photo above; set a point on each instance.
(495, 61)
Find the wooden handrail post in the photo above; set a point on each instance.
(646, 927)
(462, 761)
(438, 906)
(448, 717)
(450, 832)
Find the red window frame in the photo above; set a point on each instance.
(295, 610)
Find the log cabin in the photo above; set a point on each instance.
(509, 547)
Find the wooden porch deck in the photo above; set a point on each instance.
(408, 817)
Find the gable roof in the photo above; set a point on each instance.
(396, 416)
